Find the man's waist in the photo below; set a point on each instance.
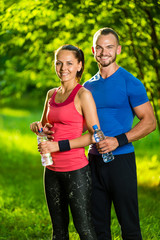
(128, 148)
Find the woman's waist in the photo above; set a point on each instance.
(65, 132)
(73, 153)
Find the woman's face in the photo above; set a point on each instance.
(67, 65)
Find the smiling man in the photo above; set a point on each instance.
(119, 96)
(106, 49)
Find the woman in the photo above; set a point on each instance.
(68, 179)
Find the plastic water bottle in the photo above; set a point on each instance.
(99, 136)
(45, 158)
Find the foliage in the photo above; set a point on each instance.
(32, 29)
(23, 210)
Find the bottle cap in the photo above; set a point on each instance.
(40, 130)
(95, 127)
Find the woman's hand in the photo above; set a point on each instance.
(48, 147)
(47, 131)
(36, 126)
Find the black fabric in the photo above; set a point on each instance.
(122, 139)
(64, 145)
(72, 189)
(115, 182)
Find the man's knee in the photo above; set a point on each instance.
(60, 235)
(132, 235)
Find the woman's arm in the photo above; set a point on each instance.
(44, 114)
(35, 126)
(89, 109)
(52, 146)
(85, 105)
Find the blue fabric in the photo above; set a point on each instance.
(115, 98)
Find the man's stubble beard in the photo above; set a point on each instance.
(110, 62)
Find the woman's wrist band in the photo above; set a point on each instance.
(122, 139)
(64, 145)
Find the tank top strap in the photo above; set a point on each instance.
(68, 100)
(51, 100)
(73, 94)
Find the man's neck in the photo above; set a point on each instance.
(106, 72)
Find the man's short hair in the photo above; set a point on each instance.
(104, 31)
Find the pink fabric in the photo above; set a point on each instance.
(67, 124)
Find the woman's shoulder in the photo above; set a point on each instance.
(84, 91)
(51, 92)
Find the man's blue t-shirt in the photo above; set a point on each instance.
(115, 98)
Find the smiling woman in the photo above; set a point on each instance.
(66, 65)
(68, 179)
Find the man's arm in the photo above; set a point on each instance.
(146, 125)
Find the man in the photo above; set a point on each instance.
(119, 96)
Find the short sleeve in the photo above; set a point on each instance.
(136, 92)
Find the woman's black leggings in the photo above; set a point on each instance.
(74, 189)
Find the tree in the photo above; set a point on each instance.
(31, 30)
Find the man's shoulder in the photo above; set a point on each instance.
(135, 89)
(128, 75)
(96, 77)
(130, 80)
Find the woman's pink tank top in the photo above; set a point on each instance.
(67, 124)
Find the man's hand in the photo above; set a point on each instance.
(107, 145)
(48, 132)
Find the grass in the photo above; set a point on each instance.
(23, 211)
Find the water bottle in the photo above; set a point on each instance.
(45, 158)
(99, 136)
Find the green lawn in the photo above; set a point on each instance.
(23, 211)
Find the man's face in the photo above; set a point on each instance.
(106, 49)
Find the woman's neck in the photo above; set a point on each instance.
(67, 86)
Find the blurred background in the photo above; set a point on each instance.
(30, 32)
